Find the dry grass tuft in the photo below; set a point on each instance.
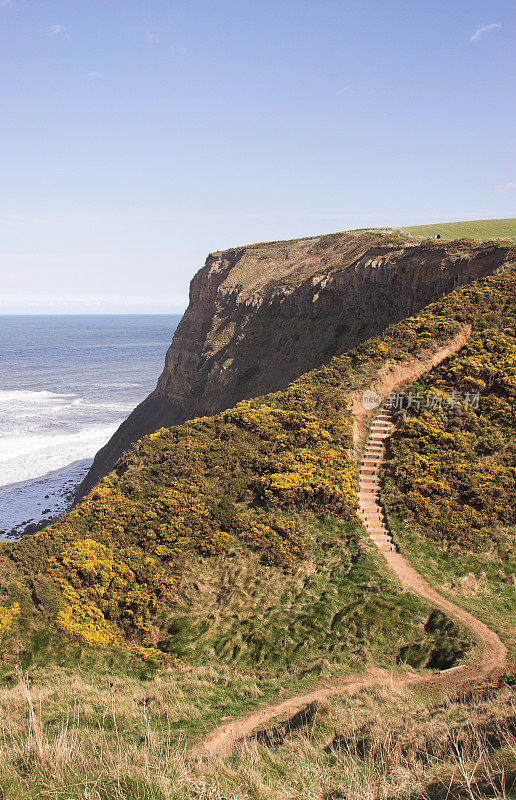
(381, 744)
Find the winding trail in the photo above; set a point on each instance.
(493, 653)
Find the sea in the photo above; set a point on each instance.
(66, 384)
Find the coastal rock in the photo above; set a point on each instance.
(261, 315)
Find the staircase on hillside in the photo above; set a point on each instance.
(370, 508)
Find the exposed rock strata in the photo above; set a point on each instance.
(261, 315)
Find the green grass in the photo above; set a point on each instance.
(340, 612)
(481, 229)
(481, 583)
(211, 540)
(252, 621)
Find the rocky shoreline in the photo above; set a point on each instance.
(32, 505)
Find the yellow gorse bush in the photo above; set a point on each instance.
(453, 471)
(8, 617)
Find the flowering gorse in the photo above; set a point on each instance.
(8, 617)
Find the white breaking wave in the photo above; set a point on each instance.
(32, 397)
(23, 458)
(66, 386)
(42, 431)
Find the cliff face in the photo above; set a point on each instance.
(261, 315)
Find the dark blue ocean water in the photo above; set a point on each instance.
(66, 383)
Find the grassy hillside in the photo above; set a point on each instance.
(481, 229)
(451, 478)
(244, 483)
(222, 565)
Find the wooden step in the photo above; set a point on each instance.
(377, 528)
(370, 509)
(381, 539)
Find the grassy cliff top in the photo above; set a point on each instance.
(291, 261)
(288, 262)
(481, 229)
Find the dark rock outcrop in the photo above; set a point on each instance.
(261, 315)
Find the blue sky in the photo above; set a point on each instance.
(138, 136)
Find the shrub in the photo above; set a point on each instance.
(452, 472)
(7, 618)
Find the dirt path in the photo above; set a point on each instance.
(224, 738)
(492, 651)
(395, 373)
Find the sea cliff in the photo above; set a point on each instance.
(261, 315)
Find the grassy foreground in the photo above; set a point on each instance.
(480, 229)
(94, 739)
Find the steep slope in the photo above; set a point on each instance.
(255, 507)
(260, 316)
(493, 653)
(231, 542)
(450, 487)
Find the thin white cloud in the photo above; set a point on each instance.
(154, 38)
(55, 30)
(5, 3)
(94, 74)
(484, 29)
(345, 88)
(503, 188)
